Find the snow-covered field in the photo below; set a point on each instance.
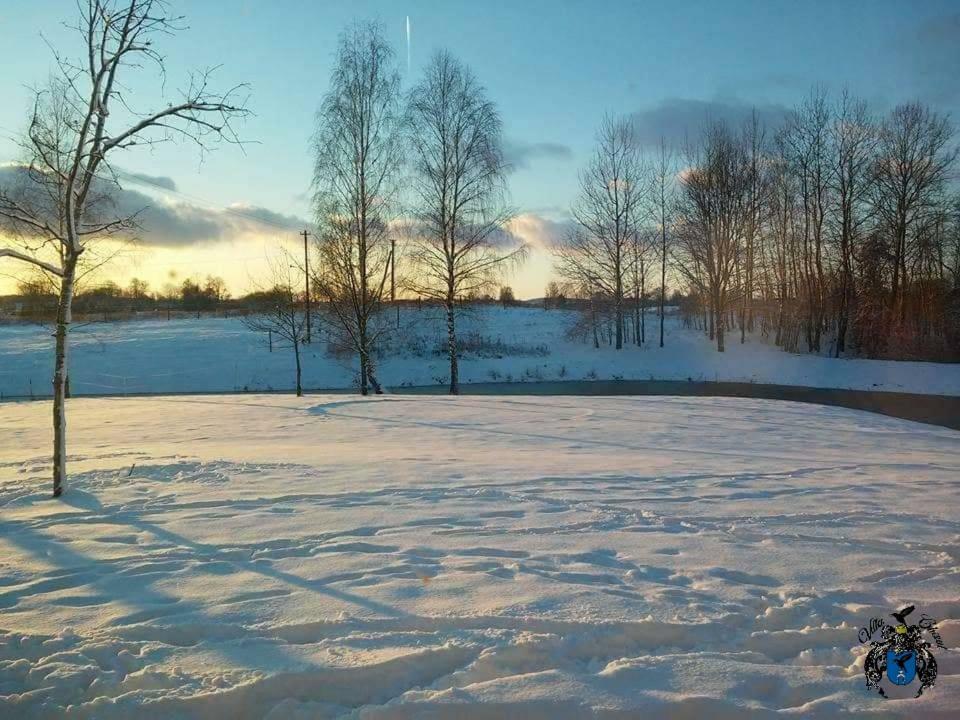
(548, 558)
(503, 345)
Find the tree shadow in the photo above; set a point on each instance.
(129, 583)
(262, 567)
(87, 501)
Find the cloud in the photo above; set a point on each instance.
(541, 236)
(172, 224)
(538, 232)
(677, 119)
(412, 228)
(166, 223)
(158, 181)
(520, 154)
(531, 229)
(169, 224)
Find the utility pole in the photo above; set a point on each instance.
(306, 276)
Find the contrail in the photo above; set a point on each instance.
(408, 44)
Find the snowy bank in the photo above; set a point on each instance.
(501, 345)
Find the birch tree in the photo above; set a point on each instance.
(357, 151)
(118, 39)
(459, 246)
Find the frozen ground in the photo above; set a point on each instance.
(548, 558)
(504, 345)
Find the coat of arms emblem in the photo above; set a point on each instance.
(901, 653)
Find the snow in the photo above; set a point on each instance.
(518, 345)
(263, 556)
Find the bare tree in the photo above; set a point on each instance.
(755, 208)
(32, 190)
(643, 244)
(950, 262)
(280, 312)
(599, 252)
(915, 159)
(118, 39)
(779, 250)
(711, 220)
(357, 147)
(853, 135)
(663, 174)
(555, 295)
(459, 186)
(808, 140)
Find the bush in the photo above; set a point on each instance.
(484, 346)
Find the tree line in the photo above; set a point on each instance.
(36, 297)
(836, 233)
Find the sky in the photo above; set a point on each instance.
(553, 68)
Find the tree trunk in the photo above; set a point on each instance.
(721, 320)
(643, 304)
(636, 315)
(663, 275)
(841, 345)
(393, 278)
(363, 360)
(712, 313)
(593, 322)
(750, 281)
(372, 377)
(296, 353)
(452, 347)
(743, 308)
(781, 310)
(64, 313)
(618, 320)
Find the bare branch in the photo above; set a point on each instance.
(9, 252)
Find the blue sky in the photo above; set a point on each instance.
(554, 68)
